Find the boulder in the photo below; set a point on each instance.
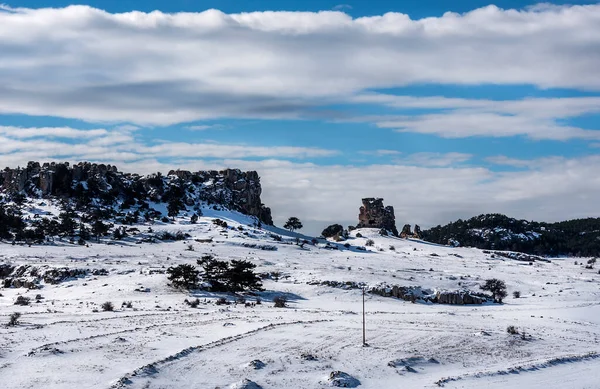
(332, 231)
(461, 297)
(339, 379)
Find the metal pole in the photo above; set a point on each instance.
(364, 336)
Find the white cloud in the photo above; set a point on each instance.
(342, 7)
(204, 127)
(381, 152)
(539, 118)
(156, 68)
(434, 159)
(50, 132)
(121, 145)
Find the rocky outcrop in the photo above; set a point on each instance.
(408, 233)
(373, 214)
(332, 231)
(461, 297)
(30, 277)
(413, 293)
(231, 188)
(417, 232)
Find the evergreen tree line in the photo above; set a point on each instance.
(579, 237)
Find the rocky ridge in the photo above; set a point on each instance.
(231, 188)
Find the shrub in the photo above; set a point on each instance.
(166, 235)
(127, 304)
(107, 306)
(277, 238)
(512, 330)
(193, 303)
(359, 235)
(190, 247)
(496, 287)
(516, 294)
(222, 301)
(240, 300)
(370, 243)
(258, 301)
(183, 276)
(13, 319)
(22, 300)
(38, 297)
(280, 301)
(220, 223)
(392, 248)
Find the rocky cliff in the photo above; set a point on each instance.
(373, 214)
(231, 188)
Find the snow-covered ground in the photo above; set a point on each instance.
(66, 341)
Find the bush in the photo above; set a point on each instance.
(280, 301)
(22, 300)
(392, 248)
(183, 276)
(370, 243)
(512, 330)
(220, 223)
(516, 294)
(166, 235)
(359, 235)
(127, 304)
(258, 301)
(222, 301)
(107, 306)
(277, 238)
(13, 320)
(496, 287)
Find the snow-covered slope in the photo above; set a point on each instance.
(65, 340)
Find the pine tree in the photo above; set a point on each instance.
(293, 224)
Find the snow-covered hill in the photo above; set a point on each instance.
(155, 339)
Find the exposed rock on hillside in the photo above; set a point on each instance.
(374, 215)
(232, 188)
(332, 230)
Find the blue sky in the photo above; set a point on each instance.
(491, 108)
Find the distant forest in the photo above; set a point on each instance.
(579, 237)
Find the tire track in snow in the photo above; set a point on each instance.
(152, 368)
(47, 346)
(523, 368)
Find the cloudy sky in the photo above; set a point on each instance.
(445, 109)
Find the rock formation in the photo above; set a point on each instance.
(407, 233)
(232, 188)
(374, 215)
(333, 230)
(417, 232)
